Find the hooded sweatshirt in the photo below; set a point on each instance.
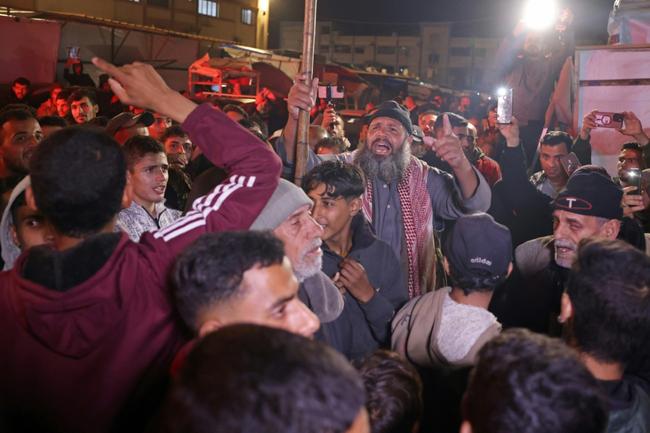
(88, 333)
(10, 251)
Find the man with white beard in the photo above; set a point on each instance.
(589, 207)
(288, 215)
(405, 200)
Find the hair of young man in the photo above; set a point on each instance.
(138, 146)
(609, 289)
(52, 121)
(632, 146)
(22, 81)
(78, 177)
(254, 128)
(249, 378)
(211, 270)
(336, 143)
(173, 131)
(17, 113)
(555, 138)
(340, 179)
(83, 92)
(393, 392)
(530, 383)
(66, 92)
(237, 109)
(455, 120)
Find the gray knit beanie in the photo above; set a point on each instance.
(286, 199)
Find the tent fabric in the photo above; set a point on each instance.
(33, 55)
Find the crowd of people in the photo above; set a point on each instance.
(164, 272)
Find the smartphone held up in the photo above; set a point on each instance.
(609, 120)
(504, 105)
(632, 177)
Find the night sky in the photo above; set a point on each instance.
(476, 17)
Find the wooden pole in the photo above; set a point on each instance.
(307, 68)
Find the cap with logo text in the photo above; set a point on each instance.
(478, 246)
(591, 193)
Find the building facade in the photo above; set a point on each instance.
(242, 21)
(427, 51)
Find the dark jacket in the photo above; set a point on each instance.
(517, 203)
(363, 328)
(88, 334)
(629, 406)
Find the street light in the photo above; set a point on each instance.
(540, 14)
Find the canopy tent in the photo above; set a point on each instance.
(222, 77)
(288, 65)
(273, 79)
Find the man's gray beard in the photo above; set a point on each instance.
(388, 168)
(304, 270)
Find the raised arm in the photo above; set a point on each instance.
(302, 96)
(253, 168)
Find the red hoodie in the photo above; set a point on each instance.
(73, 359)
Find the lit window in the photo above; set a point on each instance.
(135, 1)
(209, 8)
(247, 16)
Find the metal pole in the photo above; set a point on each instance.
(307, 68)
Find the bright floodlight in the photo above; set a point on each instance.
(501, 91)
(540, 14)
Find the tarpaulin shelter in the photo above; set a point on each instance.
(222, 77)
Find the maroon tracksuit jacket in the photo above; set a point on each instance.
(72, 359)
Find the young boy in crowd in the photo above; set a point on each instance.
(87, 326)
(606, 316)
(362, 266)
(449, 326)
(21, 226)
(147, 175)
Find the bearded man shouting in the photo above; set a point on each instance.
(405, 200)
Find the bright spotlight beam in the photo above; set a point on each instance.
(540, 14)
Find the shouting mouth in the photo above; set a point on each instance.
(381, 148)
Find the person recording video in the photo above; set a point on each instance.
(76, 77)
(529, 61)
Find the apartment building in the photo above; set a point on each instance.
(242, 21)
(427, 51)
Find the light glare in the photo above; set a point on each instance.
(540, 14)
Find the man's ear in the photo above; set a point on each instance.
(610, 229)
(566, 309)
(465, 427)
(29, 198)
(355, 205)
(126, 195)
(208, 327)
(14, 236)
(445, 265)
